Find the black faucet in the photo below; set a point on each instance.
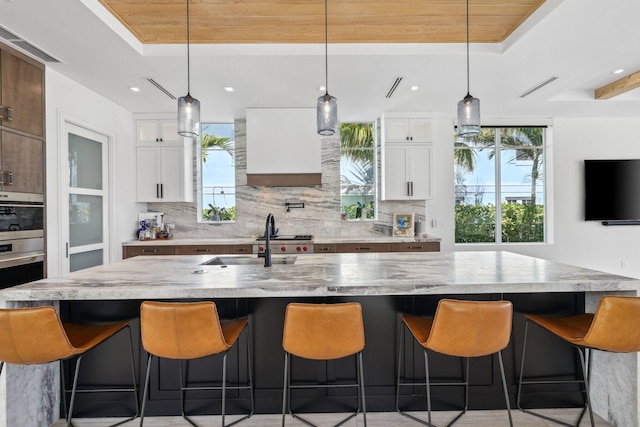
(269, 230)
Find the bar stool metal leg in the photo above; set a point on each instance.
(586, 368)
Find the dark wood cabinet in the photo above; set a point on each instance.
(363, 247)
(415, 247)
(131, 251)
(151, 249)
(21, 94)
(21, 163)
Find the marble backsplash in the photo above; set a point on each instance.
(320, 216)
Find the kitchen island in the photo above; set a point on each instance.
(383, 282)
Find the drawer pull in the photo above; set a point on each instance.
(325, 249)
(149, 251)
(243, 250)
(364, 248)
(201, 250)
(416, 247)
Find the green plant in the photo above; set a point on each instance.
(216, 213)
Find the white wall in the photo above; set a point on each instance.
(66, 98)
(614, 249)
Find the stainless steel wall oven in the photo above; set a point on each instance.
(21, 238)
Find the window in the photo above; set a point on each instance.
(217, 172)
(357, 170)
(506, 165)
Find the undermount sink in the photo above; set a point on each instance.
(248, 260)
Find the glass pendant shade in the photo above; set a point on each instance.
(469, 116)
(188, 116)
(327, 115)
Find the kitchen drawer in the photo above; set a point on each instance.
(324, 249)
(415, 247)
(240, 249)
(202, 249)
(131, 251)
(363, 247)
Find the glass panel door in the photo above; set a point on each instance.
(86, 192)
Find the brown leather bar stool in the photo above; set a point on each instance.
(36, 335)
(186, 331)
(323, 332)
(613, 327)
(462, 329)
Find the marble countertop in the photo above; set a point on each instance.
(252, 240)
(175, 276)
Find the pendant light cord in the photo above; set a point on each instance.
(188, 56)
(467, 47)
(326, 50)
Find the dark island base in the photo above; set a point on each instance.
(547, 355)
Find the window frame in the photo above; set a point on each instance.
(199, 171)
(547, 180)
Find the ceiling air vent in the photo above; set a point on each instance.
(160, 88)
(25, 46)
(538, 86)
(394, 86)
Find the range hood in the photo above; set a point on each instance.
(283, 148)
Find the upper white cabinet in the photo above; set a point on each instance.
(407, 130)
(407, 145)
(158, 131)
(164, 162)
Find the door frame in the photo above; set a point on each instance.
(109, 226)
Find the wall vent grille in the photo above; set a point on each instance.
(538, 86)
(160, 88)
(394, 86)
(25, 46)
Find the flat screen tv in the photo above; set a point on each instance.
(612, 191)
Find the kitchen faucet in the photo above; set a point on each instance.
(269, 230)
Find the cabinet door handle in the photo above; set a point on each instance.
(1, 116)
(9, 178)
(9, 114)
(157, 191)
(411, 188)
(2, 177)
(408, 188)
(162, 191)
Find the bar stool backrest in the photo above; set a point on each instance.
(470, 328)
(181, 330)
(615, 325)
(323, 331)
(32, 335)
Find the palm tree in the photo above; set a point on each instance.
(521, 139)
(210, 141)
(357, 140)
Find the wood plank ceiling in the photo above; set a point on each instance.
(302, 21)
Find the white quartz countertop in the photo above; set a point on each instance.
(252, 240)
(183, 276)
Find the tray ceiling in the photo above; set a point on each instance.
(302, 21)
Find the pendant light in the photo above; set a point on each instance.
(188, 106)
(469, 107)
(327, 109)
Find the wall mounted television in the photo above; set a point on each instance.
(612, 191)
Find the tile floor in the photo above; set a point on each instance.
(374, 419)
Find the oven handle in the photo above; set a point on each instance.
(22, 259)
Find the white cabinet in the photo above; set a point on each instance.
(158, 131)
(406, 171)
(164, 174)
(407, 130)
(164, 162)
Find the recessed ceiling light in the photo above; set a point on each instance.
(134, 89)
(414, 87)
(618, 71)
(229, 89)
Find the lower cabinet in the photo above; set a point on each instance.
(131, 251)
